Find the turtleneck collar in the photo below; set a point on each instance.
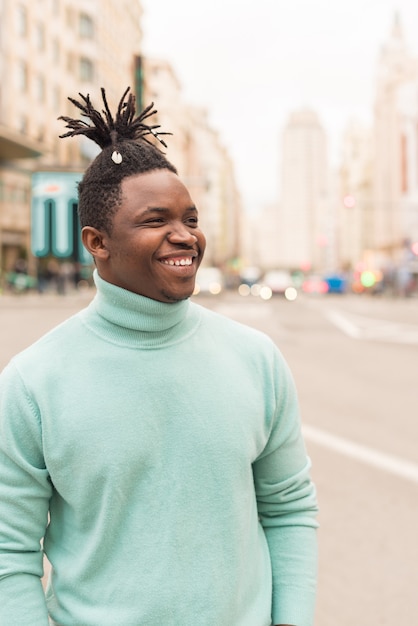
(126, 317)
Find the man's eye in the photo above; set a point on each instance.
(155, 220)
(193, 221)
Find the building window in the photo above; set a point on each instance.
(86, 70)
(40, 37)
(22, 21)
(40, 88)
(69, 17)
(22, 76)
(70, 63)
(86, 26)
(56, 99)
(56, 51)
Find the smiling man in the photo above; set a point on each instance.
(155, 245)
(152, 447)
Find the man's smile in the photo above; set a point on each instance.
(182, 261)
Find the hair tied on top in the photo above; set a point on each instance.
(106, 130)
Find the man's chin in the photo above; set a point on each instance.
(171, 298)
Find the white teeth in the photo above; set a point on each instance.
(181, 262)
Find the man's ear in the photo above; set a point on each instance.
(94, 241)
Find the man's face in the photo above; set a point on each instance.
(155, 245)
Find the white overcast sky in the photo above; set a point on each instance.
(251, 62)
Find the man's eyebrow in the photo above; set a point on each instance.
(159, 209)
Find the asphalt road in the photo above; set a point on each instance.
(355, 362)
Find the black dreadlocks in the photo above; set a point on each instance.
(125, 151)
(105, 130)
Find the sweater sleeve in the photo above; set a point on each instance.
(25, 490)
(287, 507)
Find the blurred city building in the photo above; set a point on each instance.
(364, 215)
(52, 49)
(303, 236)
(395, 194)
(262, 238)
(354, 199)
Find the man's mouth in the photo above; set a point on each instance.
(182, 261)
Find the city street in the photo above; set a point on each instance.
(355, 362)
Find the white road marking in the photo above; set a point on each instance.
(386, 462)
(362, 327)
(344, 324)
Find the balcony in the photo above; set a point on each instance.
(16, 146)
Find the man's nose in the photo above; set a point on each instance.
(180, 233)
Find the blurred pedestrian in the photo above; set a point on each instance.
(53, 274)
(151, 446)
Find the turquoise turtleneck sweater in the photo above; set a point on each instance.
(162, 444)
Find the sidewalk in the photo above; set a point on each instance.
(33, 299)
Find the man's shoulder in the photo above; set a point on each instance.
(222, 324)
(52, 343)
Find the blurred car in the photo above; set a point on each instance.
(209, 280)
(315, 284)
(250, 276)
(336, 283)
(278, 281)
